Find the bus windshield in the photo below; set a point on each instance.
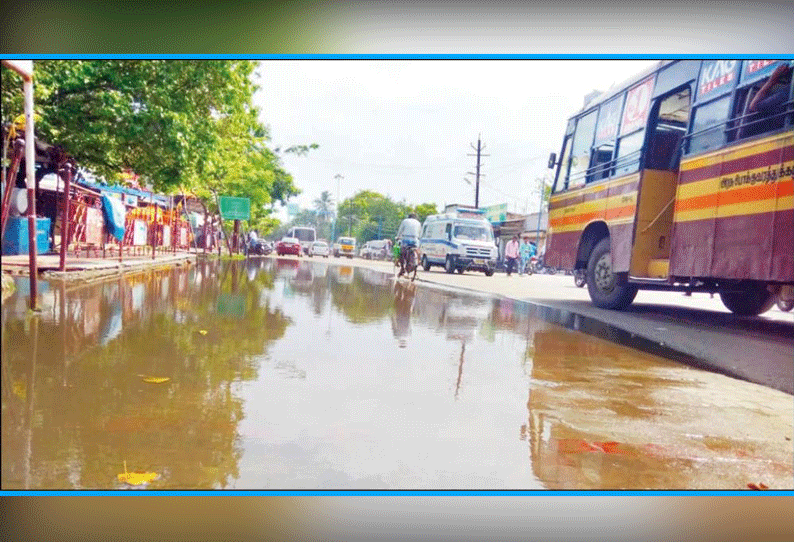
(474, 233)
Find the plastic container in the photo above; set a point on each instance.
(15, 240)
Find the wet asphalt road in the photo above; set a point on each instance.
(698, 327)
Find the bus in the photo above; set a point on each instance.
(305, 234)
(681, 179)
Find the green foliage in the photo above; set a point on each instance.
(187, 124)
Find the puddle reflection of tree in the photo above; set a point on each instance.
(99, 411)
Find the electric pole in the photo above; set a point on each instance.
(479, 148)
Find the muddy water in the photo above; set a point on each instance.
(279, 374)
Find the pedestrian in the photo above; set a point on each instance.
(525, 252)
(511, 254)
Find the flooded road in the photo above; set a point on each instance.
(287, 374)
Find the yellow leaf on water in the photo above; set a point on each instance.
(137, 478)
(156, 379)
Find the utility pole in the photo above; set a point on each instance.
(338, 178)
(479, 148)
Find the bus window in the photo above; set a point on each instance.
(561, 183)
(580, 151)
(708, 127)
(601, 164)
(604, 145)
(761, 107)
(628, 156)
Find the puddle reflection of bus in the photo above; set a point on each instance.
(601, 416)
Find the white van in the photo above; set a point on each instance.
(458, 243)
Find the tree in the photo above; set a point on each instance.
(423, 210)
(180, 125)
(324, 206)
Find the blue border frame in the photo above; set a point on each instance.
(396, 493)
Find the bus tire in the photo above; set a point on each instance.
(489, 272)
(751, 300)
(602, 283)
(425, 263)
(449, 265)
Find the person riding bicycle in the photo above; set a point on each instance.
(408, 238)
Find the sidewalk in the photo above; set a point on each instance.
(81, 268)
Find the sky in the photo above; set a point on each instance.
(407, 129)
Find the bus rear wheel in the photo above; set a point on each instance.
(603, 285)
(748, 300)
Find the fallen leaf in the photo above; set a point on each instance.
(137, 478)
(155, 379)
(203, 331)
(757, 487)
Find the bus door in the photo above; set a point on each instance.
(668, 121)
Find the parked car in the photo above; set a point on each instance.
(375, 250)
(288, 245)
(319, 248)
(345, 246)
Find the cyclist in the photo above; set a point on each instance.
(408, 238)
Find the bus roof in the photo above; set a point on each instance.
(617, 88)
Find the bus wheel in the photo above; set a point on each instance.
(602, 284)
(751, 300)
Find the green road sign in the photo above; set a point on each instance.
(235, 208)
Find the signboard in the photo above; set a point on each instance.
(496, 213)
(139, 233)
(131, 200)
(636, 111)
(166, 235)
(93, 226)
(716, 77)
(235, 208)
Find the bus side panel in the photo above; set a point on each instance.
(565, 228)
(621, 208)
(733, 213)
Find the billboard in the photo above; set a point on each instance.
(496, 213)
(235, 208)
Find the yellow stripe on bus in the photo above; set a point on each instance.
(599, 205)
(785, 203)
(712, 184)
(593, 189)
(741, 151)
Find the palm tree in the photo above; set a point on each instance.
(324, 205)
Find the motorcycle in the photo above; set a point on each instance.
(259, 247)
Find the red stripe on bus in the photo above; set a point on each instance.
(765, 159)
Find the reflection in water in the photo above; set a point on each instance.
(286, 373)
